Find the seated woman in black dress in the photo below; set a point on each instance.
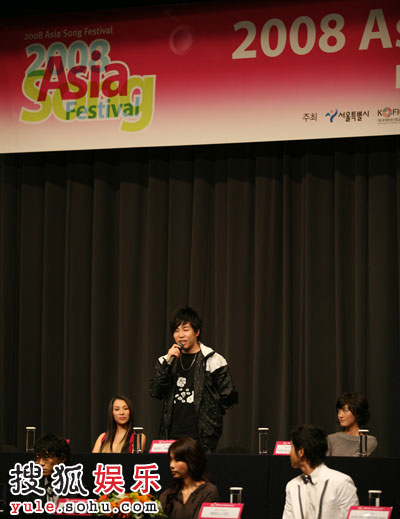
(191, 486)
(353, 414)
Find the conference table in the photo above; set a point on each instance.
(263, 477)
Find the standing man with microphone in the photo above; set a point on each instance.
(195, 383)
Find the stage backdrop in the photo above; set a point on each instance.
(197, 74)
(289, 251)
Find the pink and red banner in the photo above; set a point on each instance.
(200, 74)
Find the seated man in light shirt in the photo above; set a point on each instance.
(319, 492)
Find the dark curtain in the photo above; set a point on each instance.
(289, 251)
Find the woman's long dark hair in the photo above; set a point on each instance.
(191, 452)
(112, 426)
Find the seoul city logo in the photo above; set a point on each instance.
(332, 114)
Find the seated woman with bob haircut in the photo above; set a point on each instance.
(353, 414)
(119, 434)
(191, 486)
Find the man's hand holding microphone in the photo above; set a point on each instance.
(174, 353)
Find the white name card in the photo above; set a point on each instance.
(160, 446)
(370, 512)
(221, 511)
(282, 448)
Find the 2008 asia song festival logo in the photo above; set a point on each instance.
(82, 83)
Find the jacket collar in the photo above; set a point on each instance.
(205, 350)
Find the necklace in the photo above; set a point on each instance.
(191, 364)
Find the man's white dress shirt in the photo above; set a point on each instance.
(329, 495)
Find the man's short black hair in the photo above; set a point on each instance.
(357, 404)
(186, 315)
(54, 446)
(313, 440)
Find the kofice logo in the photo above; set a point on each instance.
(388, 112)
(388, 115)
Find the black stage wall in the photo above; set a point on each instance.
(290, 251)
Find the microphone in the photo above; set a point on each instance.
(172, 358)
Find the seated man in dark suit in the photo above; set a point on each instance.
(51, 450)
(32, 489)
